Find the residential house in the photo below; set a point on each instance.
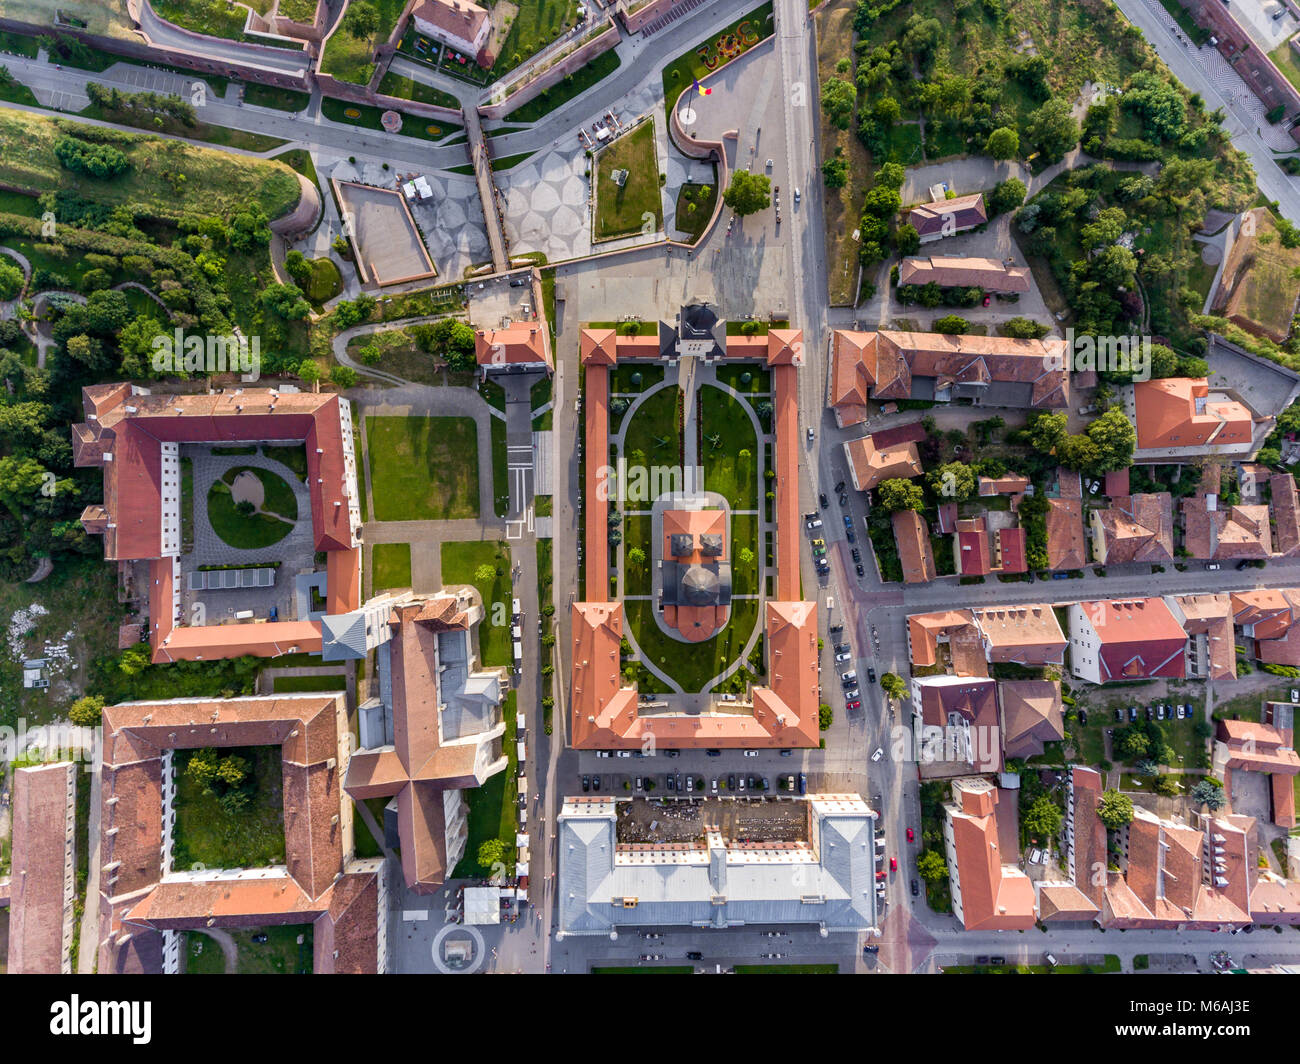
(989, 891)
(1125, 639)
(963, 271)
(1134, 528)
(914, 552)
(947, 217)
(1032, 714)
(1182, 417)
(955, 725)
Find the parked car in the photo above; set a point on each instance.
(852, 693)
(871, 675)
(988, 300)
(1213, 566)
(786, 753)
(1150, 713)
(586, 784)
(595, 783)
(840, 648)
(911, 835)
(690, 784)
(1060, 576)
(855, 554)
(853, 703)
(640, 783)
(840, 659)
(713, 753)
(893, 864)
(849, 534)
(1160, 712)
(844, 499)
(859, 570)
(823, 500)
(870, 947)
(714, 788)
(796, 195)
(880, 752)
(835, 629)
(750, 753)
(848, 522)
(1119, 714)
(740, 786)
(815, 522)
(849, 677)
(731, 781)
(1132, 713)
(1243, 564)
(803, 783)
(694, 955)
(915, 888)
(669, 782)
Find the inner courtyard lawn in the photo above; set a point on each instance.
(629, 208)
(423, 468)
(460, 565)
(692, 664)
(213, 833)
(729, 449)
(390, 566)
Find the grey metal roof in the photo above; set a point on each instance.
(343, 636)
(830, 883)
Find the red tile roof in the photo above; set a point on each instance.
(957, 271)
(1178, 412)
(914, 551)
(1139, 638)
(946, 216)
(42, 869)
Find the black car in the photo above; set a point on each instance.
(1150, 713)
(870, 948)
(834, 628)
(595, 782)
(855, 554)
(714, 753)
(997, 960)
(694, 955)
(823, 500)
(586, 783)
(679, 782)
(259, 939)
(519, 282)
(841, 648)
(915, 888)
(844, 499)
(731, 781)
(850, 534)
(1243, 564)
(786, 753)
(1119, 714)
(871, 675)
(803, 783)
(839, 487)
(668, 780)
(860, 571)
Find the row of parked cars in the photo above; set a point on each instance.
(676, 782)
(1157, 712)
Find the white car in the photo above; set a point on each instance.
(751, 753)
(878, 754)
(849, 677)
(690, 783)
(625, 753)
(840, 659)
(816, 522)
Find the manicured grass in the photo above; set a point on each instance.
(621, 378)
(460, 563)
(410, 89)
(653, 436)
(391, 566)
(572, 86)
(271, 96)
(294, 457)
(255, 530)
(359, 114)
(212, 18)
(285, 685)
(500, 469)
(744, 535)
(299, 10)
(280, 954)
(363, 841)
(726, 432)
(492, 807)
(536, 24)
(423, 467)
(350, 58)
(509, 162)
(207, 834)
(692, 664)
(325, 281)
(679, 74)
(637, 531)
(733, 376)
(695, 205)
(629, 209)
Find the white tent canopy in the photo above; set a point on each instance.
(482, 905)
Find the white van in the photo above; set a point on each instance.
(516, 609)
(519, 654)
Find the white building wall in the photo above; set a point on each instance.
(1085, 645)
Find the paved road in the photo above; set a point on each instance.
(1240, 106)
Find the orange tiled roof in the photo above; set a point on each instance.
(960, 271)
(914, 552)
(519, 343)
(869, 464)
(1178, 412)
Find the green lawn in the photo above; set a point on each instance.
(212, 18)
(206, 834)
(410, 89)
(391, 566)
(695, 204)
(630, 377)
(637, 531)
(500, 468)
(423, 468)
(536, 23)
(653, 436)
(280, 954)
(679, 74)
(325, 281)
(492, 807)
(574, 85)
(744, 536)
(622, 211)
(351, 58)
(287, 685)
(359, 114)
(293, 456)
(692, 664)
(729, 449)
(255, 530)
(460, 562)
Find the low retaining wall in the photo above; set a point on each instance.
(554, 74)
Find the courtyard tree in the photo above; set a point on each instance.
(952, 481)
(362, 19)
(899, 494)
(491, 852)
(634, 556)
(748, 192)
(308, 371)
(1042, 818)
(1115, 810)
(1209, 792)
(485, 574)
(1115, 439)
(931, 866)
(87, 711)
(892, 684)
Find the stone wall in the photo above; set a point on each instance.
(554, 74)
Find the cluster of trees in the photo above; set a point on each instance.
(133, 105)
(94, 160)
(1107, 443)
(226, 778)
(879, 208)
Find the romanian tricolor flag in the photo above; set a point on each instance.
(701, 89)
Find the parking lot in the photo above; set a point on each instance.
(654, 821)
